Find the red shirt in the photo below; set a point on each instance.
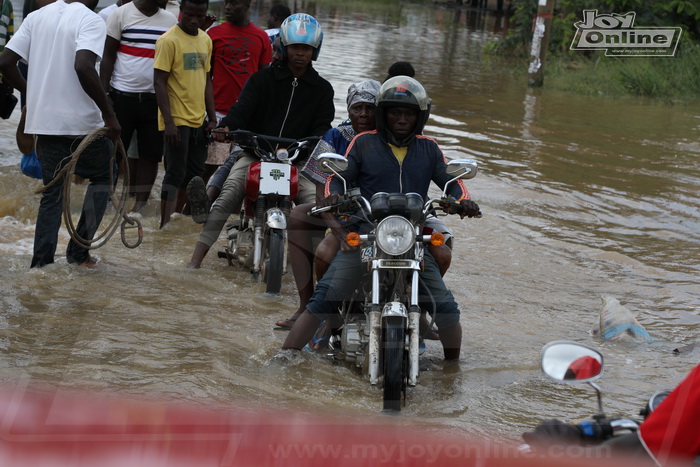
(238, 53)
(672, 431)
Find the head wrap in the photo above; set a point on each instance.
(365, 91)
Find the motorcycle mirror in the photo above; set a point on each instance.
(463, 169)
(571, 362)
(332, 163)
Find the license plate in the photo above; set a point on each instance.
(275, 178)
(367, 253)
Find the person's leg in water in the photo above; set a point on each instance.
(94, 164)
(325, 252)
(150, 151)
(443, 257)
(176, 170)
(227, 203)
(341, 278)
(146, 173)
(433, 289)
(301, 230)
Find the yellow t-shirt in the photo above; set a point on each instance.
(188, 60)
(399, 153)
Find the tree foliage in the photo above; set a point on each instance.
(684, 13)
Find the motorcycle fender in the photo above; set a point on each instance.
(395, 309)
(275, 219)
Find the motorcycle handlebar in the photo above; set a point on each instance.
(451, 206)
(246, 135)
(596, 432)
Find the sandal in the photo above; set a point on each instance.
(321, 337)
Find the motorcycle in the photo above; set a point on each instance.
(572, 362)
(379, 324)
(258, 238)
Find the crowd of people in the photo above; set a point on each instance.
(165, 81)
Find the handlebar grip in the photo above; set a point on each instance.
(451, 206)
(594, 432)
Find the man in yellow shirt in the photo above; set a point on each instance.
(185, 102)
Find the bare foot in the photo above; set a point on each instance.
(286, 324)
(91, 262)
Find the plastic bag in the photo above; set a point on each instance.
(30, 165)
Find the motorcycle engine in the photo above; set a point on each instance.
(353, 342)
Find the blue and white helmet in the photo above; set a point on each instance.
(301, 28)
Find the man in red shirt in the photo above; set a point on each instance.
(239, 49)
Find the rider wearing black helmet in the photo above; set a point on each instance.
(396, 158)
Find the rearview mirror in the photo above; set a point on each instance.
(571, 362)
(462, 168)
(332, 163)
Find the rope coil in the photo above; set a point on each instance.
(119, 205)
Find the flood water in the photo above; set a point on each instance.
(581, 197)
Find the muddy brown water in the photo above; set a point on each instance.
(581, 197)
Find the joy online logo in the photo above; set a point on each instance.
(617, 35)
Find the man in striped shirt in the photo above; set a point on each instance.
(127, 74)
(7, 22)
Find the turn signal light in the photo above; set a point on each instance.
(437, 239)
(353, 239)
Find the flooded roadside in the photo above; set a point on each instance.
(582, 197)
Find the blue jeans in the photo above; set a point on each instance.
(346, 270)
(93, 164)
(219, 177)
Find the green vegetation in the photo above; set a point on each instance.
(668, 78)
(665, 78)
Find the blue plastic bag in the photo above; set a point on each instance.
(30, 165)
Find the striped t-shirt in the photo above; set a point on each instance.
(7, 23)
(137, 35)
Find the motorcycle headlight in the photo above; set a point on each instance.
(395, 235)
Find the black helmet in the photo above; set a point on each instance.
(402, 91)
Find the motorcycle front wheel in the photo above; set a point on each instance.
(394, 368)
(274, 262)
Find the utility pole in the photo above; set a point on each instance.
(540, 39)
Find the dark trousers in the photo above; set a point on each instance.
(184, 161)
(93, 164)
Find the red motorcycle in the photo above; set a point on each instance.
(258, 238)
